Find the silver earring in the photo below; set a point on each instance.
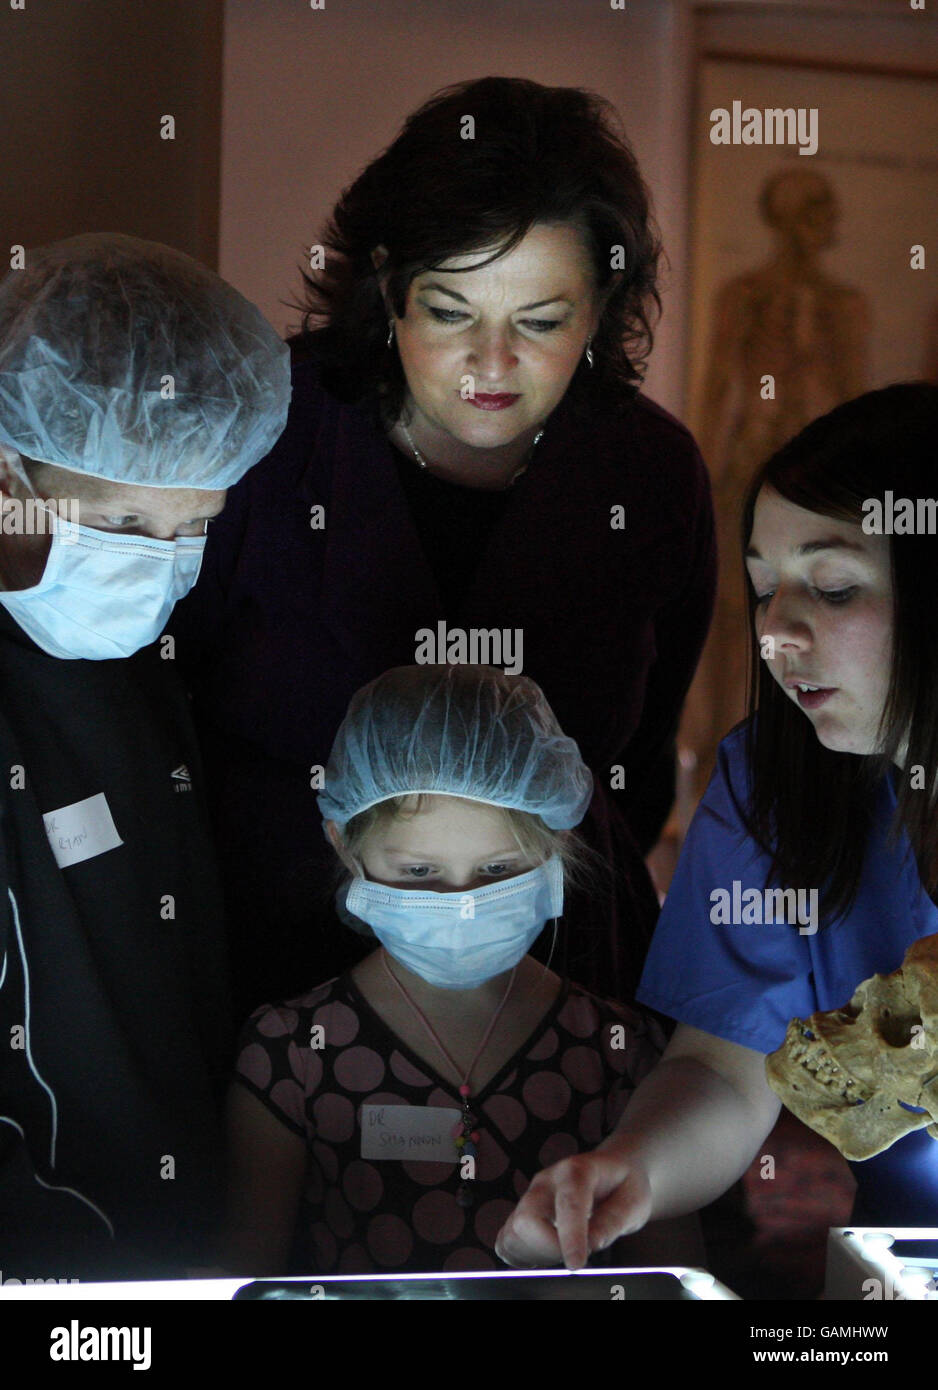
(390, 332)
(589, 352)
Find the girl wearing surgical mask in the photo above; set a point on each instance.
(390, 1119)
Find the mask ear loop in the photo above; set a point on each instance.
(14, 461)
(555, 928)
(341, 893)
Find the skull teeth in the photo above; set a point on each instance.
(822, 1068)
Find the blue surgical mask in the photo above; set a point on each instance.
(460, 940)
(103, 594)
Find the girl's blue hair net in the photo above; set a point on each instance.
(130, 361)
(469, 731)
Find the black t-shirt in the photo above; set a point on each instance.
(453, 524)
(115, 989)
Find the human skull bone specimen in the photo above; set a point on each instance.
(849, 1072)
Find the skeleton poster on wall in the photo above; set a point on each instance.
(807, 287)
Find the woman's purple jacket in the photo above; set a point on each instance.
(604, 557)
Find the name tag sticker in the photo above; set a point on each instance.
(415, 1132)
(81, 831)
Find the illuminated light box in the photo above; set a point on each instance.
(671, 1284)
(882, 1263)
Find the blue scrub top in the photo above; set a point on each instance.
(745, 982)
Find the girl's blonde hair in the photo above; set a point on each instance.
(582, 866)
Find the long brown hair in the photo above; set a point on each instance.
(811, 808)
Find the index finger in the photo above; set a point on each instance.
(573, 1207)
(528, 1237)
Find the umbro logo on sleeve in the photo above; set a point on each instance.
(182, 779)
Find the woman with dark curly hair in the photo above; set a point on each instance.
(468, 473)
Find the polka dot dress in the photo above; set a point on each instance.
(315, 1061)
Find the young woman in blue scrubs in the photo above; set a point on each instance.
(830, 789)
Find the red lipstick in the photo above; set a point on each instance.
(499, 402)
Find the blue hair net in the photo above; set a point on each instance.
(130, 361)
(469, 731)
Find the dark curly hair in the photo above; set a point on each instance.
(539, 154)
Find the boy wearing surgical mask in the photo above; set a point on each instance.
(135, 388)
(390, 1119)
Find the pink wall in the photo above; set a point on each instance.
(311, 95)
